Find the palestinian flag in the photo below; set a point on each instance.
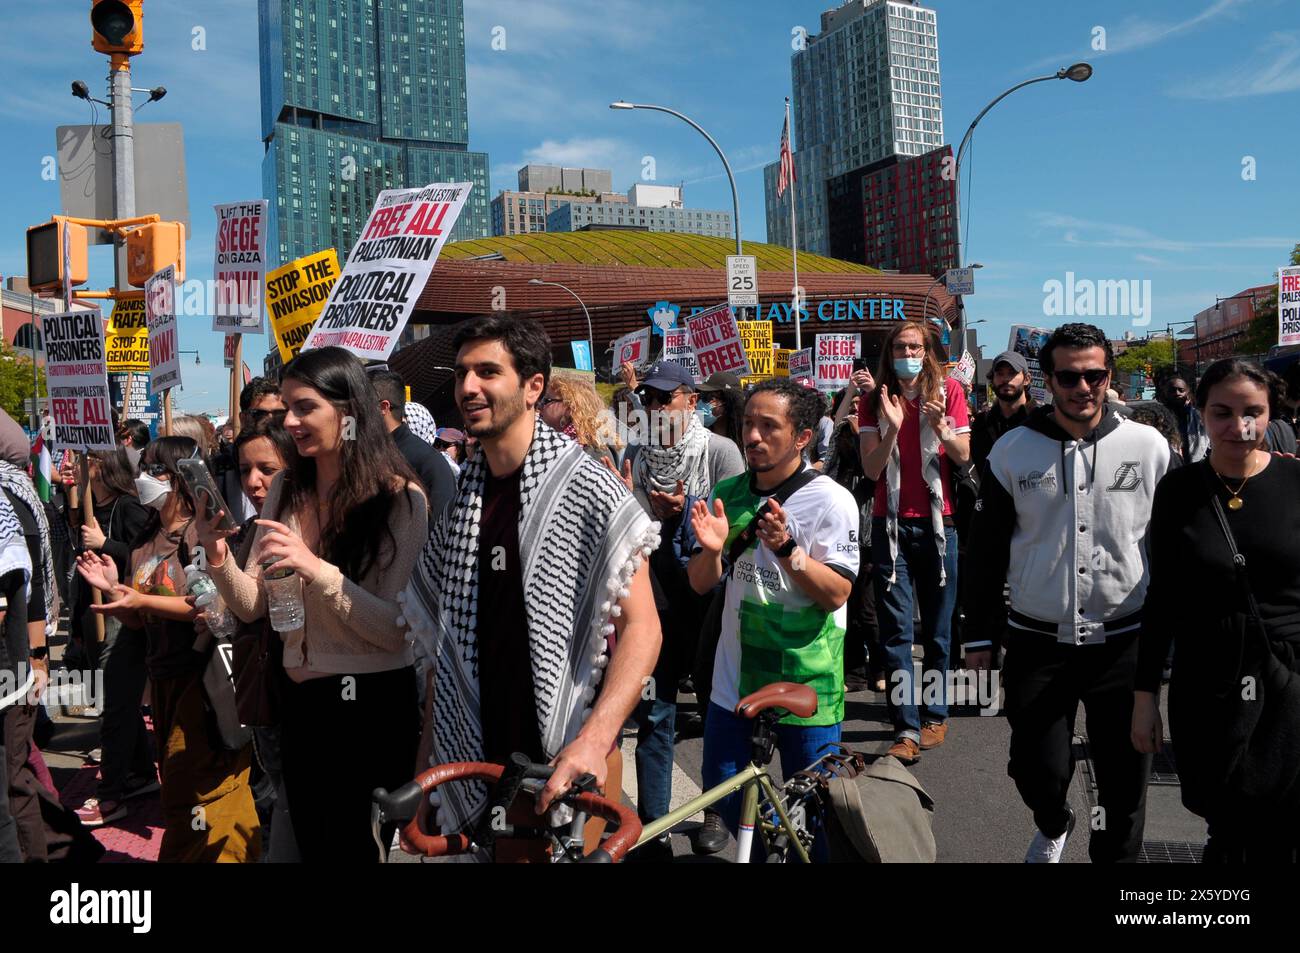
(42, 468)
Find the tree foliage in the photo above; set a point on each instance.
(1262, 331)
(16, 381)
(1158, 352)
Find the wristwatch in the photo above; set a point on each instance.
(787, 548)
(40, 653)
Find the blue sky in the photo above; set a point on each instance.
(1134, 175)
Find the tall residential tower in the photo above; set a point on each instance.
(359, 96)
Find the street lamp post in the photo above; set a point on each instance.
(735, 198)
(590, 343)
(1079, 73)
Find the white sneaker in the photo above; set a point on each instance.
(1048, 850)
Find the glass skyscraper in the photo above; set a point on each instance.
(359, 96)
(864, 89)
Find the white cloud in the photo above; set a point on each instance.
(1091, 234)
(1276, 69)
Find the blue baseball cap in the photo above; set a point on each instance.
(668, 376)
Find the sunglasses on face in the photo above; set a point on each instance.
(651, 396)
(1094, 376)
(547, 401)
(154, 469)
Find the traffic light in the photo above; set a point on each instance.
(45, 254)
(117, 26)
(153, 247)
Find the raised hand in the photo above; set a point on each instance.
(668, 505)
(892, 410)
(287, 549)
(625, 475)
(772, 528)
(863, 381)
(934, 415)
(627, 370)
(710, 528)
(100, 571)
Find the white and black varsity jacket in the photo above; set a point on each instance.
(1063, 523)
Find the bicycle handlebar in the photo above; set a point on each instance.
(403, 805)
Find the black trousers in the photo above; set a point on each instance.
(1045, 681)
(10, 851)
(343, 736)
(124, 740)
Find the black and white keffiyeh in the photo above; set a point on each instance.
(419, 421)
(932, 474)
(659, 468)
(18, 483)
(581, 539)
(14, 555)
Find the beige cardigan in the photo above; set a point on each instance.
(350, 627)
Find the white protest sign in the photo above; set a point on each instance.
(164, 336)
(1029, 340)
(377, 290)
(634, 347)
(835, 354)
(77, 377)
(677, 348)
(801, 364)
(965, 369)
(239, 267)
(1288, 306)
(715, 338)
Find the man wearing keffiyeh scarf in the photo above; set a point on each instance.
(529, 579)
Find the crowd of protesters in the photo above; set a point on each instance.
(515, 583)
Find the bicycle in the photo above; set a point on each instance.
(787, 821)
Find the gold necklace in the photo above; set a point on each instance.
(1235, 501)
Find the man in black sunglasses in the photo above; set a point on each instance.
(1064, 504)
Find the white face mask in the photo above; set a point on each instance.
(152, 491)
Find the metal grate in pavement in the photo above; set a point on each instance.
(1164, 769)
(1169, 852)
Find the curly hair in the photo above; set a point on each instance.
(586, 411)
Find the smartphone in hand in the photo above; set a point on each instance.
(198, 480)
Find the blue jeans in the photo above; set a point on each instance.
(655, 724)
(918, 564)
(727, 749)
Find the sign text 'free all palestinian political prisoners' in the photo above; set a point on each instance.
(835, 354)
(239, 267)
(128, 337)
(78, 380)
(716, 342)
(677, 348)
(381, 283)
(295, 295)
(800, 365)
(164, 337)
(1288, 306)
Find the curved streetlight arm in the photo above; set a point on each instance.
(971, 129)
(586, 313)
(735, 196)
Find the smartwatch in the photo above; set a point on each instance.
(787, 548)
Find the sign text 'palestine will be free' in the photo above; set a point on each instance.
(377, 291)
(78, 381)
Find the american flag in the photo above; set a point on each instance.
(787, 160)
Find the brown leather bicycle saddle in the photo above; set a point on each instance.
(798, 700)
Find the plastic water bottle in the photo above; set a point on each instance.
(283, 597)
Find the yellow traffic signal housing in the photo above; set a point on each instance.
(152, 247)
(45, 254)
(117, 26)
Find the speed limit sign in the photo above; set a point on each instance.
(742, 281)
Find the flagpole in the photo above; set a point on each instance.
(794, 248)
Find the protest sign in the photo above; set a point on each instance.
(138, 404)
(756, 337)
(228, 358)
(295, 295)
(1028, 340)
(77, 378)
(127, 347)
(634, 347)
(781, 362)
(1288, 306)
(377, 291)
(677, 348)
(239, 267)
(835, 354)
(164, 338)
(801, 364)
(716, 342)
(964, 372)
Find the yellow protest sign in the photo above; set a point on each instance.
(127, 342)
(756, 338)
(295, 295)
(782, 356)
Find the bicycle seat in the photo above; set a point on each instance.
(798, 700)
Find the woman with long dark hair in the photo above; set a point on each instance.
(1225, 591)
(126, 766)
(201, 780)
(348, 520)
(914, 429)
